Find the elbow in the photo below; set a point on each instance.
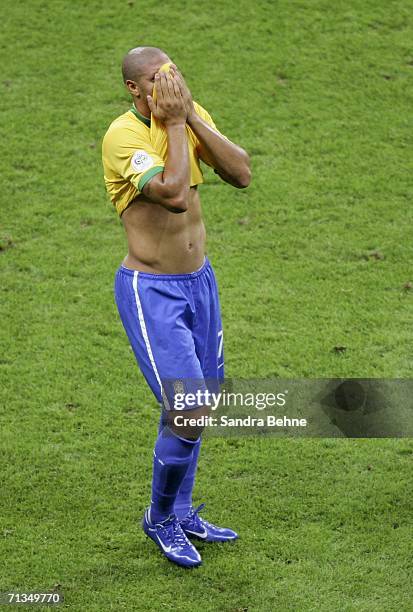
(175, 199)
(244, 178)
(177, 205)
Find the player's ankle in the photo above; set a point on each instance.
(155, 516)
(182, 511)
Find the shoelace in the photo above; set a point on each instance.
(175, 534)
(193, 516)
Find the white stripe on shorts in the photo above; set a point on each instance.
(145, 335)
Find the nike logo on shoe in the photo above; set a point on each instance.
(166, 549)
(199, 534)
(171, 539)
(193, 525)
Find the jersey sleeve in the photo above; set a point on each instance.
(208, 119)
(130, 155)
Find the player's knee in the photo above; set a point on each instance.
(189, 424)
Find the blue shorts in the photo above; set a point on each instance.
(173, 323)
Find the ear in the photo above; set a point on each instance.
(133, 88)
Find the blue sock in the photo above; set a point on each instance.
(183, 502)
(172, 458)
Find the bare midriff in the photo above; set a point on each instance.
(164, 242)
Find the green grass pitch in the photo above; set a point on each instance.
(316, 253)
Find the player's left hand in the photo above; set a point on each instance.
(185, 93)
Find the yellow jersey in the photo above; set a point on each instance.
(131, 157)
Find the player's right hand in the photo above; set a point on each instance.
(169, 107)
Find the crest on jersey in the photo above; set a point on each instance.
(141, 161)
(179, 386)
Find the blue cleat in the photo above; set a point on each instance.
(196, 527)
(172, 541)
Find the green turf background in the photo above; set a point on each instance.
(315, 254)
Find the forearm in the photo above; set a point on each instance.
(228, 159)
(171, 188)
(176, 175)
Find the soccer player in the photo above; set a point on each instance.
(165, 289)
